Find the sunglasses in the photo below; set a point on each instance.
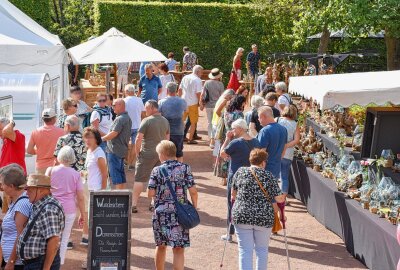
(102, 100)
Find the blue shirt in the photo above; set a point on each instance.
(253, 59)
(142, 71)
(273, 137)
(149, 88)
(239, 150)
(172, 108)
(9, 228)
(171, 64)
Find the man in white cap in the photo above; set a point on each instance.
(212, 90)
(41, 250)
(43, 141)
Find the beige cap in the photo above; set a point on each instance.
(48, 113)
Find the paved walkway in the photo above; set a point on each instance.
(311, 245)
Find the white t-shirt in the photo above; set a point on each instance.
(164, 80)
(94, 175)
(105, 123)
(191, 85)
(283, 99)
(134, 107)
(291, 127)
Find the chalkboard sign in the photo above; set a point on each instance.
(109, 230)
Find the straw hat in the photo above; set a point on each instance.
(215, 74)
(38, 180)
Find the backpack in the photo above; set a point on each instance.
(102, 112)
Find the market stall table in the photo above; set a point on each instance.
(90, 91)
(370, 239)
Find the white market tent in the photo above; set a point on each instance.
(26, 47)
(350, 88)
(113, 47)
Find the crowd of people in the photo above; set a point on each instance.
(89, 149)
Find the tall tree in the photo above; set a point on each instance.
(374, 16)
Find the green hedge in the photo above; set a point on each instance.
(212, 31)
(38, 10)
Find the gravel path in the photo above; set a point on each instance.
(311, 245)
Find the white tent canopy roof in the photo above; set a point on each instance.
(113, 47)
(350, 88)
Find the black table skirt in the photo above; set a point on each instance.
(367, 237)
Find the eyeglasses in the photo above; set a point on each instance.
(102, 100)
(75, 105)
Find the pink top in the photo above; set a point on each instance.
(65, 183)
(45, 138)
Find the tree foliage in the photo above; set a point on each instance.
(212, 31)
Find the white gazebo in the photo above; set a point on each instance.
(348, 89)
(113, 47)
(26, 47)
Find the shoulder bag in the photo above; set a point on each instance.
(188, 217)
(277, 224)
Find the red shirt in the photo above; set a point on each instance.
(13, 152)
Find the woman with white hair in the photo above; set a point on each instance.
(255, 103)
(67, 188)
(237, 63)
(237, 146)
(284, 99)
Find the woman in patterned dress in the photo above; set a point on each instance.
(252, 212)
(166, 228)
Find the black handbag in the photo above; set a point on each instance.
(206, 97)
(188, 217)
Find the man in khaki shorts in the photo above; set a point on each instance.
(153, 129)
(190, 90)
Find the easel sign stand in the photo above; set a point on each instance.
(109, 230)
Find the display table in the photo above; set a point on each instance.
(90, 92)
(370, 239)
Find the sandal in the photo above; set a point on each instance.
(192, 142)
(134, 209)
(223, 182)
(151, 208)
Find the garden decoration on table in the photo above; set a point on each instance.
(369, 184)
(341, 171)
(318, 161)
(354, 180)
(328, 168)
(388, 158)
(310, 143)
(357, 138)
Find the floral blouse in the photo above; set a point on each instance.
(251, 206)
(181, 179)
(230, 117)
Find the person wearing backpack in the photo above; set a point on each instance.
(284, 99)
(101, 117)
(12, 177)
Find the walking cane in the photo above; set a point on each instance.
(226, 240)
(282, 209)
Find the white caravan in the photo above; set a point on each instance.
(30, 94)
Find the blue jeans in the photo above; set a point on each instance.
(103, 146)
(285, 170)
(134, 133)
(252, 238)
(229, 216)
(116, 169)
(39, 264)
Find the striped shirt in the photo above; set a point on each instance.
(9, 234)
(50, 223)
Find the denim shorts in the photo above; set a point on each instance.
(134, 133)
(116, 169)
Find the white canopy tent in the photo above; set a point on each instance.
(348, 89)
(113, 47)
(26, 47)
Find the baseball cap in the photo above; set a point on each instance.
(48, 113)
